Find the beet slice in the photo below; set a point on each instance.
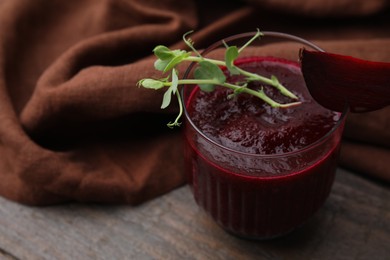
(335, 80)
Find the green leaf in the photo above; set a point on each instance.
(162, 52)
(207, 87)
(151, 83)
(166, 98)
(175, 81)
(173, 62)
(230, 56)
(176, 60)
(210, 71)
(180, 52)
(171, 90)
(167, 59)
(161, 64)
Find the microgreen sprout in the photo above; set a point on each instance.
(208, 74)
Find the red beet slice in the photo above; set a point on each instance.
(335, 80)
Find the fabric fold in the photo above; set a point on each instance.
(74, 125)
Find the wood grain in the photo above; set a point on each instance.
(353, 224)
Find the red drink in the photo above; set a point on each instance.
(260, 172)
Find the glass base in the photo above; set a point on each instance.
(258, 238)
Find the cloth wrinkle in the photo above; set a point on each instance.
(75, 127)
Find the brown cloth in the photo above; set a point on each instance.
(75, 127)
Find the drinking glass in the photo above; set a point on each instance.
(259, 196)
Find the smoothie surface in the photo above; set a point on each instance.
(247, 124)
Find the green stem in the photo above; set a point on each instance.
(250, 76)
(199, 59)
(257, 35)
(260, 94)
(193, 82)
(176, 122)
(277, 85)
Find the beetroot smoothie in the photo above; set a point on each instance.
(260, 172)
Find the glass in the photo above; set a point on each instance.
(259, 196)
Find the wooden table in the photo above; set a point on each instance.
(353, 224)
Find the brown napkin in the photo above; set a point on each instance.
(366, 146)
(73, 124)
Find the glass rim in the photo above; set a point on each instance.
(281, 35)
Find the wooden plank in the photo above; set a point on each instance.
(354, 224)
